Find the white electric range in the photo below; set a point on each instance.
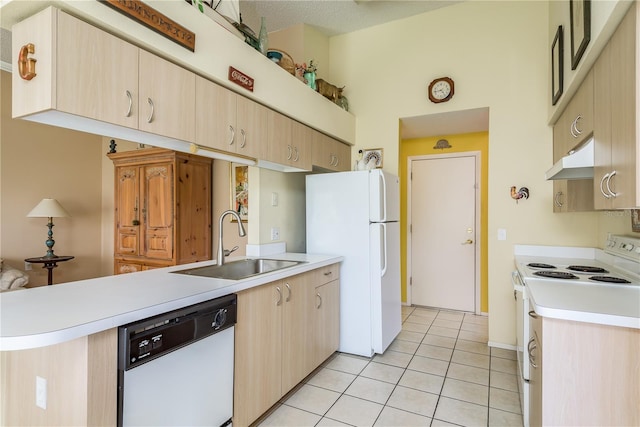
(574, 283)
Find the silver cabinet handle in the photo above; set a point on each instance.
(279, 295)
(530, 347)
(556, 200)
(289, 152)
(571, 127)
(320, 299)
(337, 161)
(150, 118)
(244, 138)
(611, 193)
(233, 134)
(574, 127)
(289, 293)
(533, 314)
(130, 104)
(605, 176)
(328, 273)
(297, 155)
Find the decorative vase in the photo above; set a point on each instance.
(310, 78)
(263, 37)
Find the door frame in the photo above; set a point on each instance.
(478, 247)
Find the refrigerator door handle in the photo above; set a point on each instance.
(383, 247)
(383, 197)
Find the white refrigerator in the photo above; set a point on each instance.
(355, 214)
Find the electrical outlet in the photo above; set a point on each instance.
(275, 233)
(27, 266)
(41, 392)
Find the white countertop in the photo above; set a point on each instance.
(48, 315)
(605, 304)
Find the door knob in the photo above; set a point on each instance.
(467, 242)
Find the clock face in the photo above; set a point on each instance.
(441, 90)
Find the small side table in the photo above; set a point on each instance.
(49, 263)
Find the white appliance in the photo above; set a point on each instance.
(355, 214)
(615, 267)
(176, 369)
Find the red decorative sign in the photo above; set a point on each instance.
(241, 79)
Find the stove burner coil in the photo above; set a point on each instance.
(608, 279)
(540, 265)
(587, 269)
(555, 274)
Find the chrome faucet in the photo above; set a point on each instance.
(221, 251)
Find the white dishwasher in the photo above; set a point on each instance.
(176, 369)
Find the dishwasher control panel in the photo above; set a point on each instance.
(142, 341)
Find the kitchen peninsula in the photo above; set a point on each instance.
(67, 334)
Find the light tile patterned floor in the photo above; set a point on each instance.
(438, 372)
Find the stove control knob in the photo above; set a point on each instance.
(638, 249)
(629, 247)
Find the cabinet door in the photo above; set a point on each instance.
(216, 121)
(297, 330)
(580, 114)
(157, 210)
(167, 98)
(251, 121)
(258, 352)
(342, 151)
(302, 141)
(534, 347)
(127, 210)
(97, 73)
(623, 80)
(602, 127)
(327, 320)
(321, 152)
(124, 267)
(279, 142)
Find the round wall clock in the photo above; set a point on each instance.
(441, 90)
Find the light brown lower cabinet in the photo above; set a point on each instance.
(82, 380)
(284, 331)
(583, 374)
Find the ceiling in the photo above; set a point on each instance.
(333, 17)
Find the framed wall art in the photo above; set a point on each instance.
(557, 67)
(373, 153)
(240, 190)
(580, 11)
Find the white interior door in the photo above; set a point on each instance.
(443, 232)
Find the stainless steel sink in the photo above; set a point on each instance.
(241, 269)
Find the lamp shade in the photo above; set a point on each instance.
(48, 208)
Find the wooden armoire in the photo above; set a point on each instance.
(162, 209)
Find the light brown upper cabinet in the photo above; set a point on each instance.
(574, 127)
(80, 70)
(166, 99)
(229, 122)
(288, 142)
(615, 127)
(330, 154)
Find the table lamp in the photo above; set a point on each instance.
(48, 208)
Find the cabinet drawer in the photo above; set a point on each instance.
(327, 274)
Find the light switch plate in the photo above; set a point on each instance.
(502, 234)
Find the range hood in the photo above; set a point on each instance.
(578, 164)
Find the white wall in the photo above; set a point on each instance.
(498, 55)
